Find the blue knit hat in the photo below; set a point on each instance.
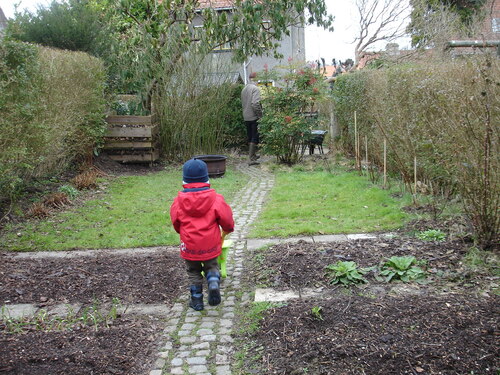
(195, 170)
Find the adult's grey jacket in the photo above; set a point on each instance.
(250, 100)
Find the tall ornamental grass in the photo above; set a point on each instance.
(199, 108)
(52, 107)
(444, 115)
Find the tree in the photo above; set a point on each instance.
(434, 22)
(157, 36)
(379, 20)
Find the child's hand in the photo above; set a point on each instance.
(224, 234)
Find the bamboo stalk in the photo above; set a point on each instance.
(366, 152)
(356, 139)
(385, 162)
(415, 173)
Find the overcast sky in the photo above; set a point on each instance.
(338, 44)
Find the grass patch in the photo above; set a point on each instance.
(133, 212)
(320, 203)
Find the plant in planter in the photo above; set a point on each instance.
(286, 124)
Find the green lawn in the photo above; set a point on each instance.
(133, 212)
(325, 203)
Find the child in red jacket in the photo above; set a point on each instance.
(197, 214)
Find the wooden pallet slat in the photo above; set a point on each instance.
(127, 132)
(131, 139)
(135, 158)
(129, 120)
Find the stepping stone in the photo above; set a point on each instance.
(151, 309)
(361, 236)
(62, 310)
(18, 311)
(330, 238)
(272, 295)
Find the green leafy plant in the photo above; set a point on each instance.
(345, 273)
(317, 312)
(69, 190)
(402, 268)
(431, 235)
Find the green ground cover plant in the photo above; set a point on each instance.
(402, 268)
(345, 273)
(431, 235)
(324, 203)
(132, 212)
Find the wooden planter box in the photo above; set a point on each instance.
(132, 139)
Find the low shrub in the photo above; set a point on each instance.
(86, 180)
(56, 200)
(38, 210)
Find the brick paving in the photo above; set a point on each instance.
(200, 342)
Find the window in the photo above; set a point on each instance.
(495, 25)
(197, 32)
(224, 47)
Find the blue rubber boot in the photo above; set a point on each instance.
(213, 280)
(196, 301)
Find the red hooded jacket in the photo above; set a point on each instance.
(196, 216)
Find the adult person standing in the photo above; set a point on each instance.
(252, 112)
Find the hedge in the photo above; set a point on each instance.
(52, 105)
(444, 115)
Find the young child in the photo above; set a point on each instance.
(197, 213)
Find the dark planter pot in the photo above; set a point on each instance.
(216, 164)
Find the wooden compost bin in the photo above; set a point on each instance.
(131, 139)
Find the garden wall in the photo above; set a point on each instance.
(52, 107)
(444, 116)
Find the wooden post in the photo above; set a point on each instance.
(366, 153)
(356, 139)
(415, 174)
(385, 162)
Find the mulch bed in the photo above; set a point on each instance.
(449, 325)
(125, 347)
(153, 278)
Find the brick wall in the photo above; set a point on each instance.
(491, 28)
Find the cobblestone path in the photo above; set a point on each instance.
(200, 342)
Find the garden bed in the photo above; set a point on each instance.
(126, 345)
(447, 325)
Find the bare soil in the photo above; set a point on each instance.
(448, 325)
(126, 346)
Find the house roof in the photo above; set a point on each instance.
(3, 19)
(328, 70)
(216, 4)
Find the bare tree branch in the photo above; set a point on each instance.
(379, 20)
